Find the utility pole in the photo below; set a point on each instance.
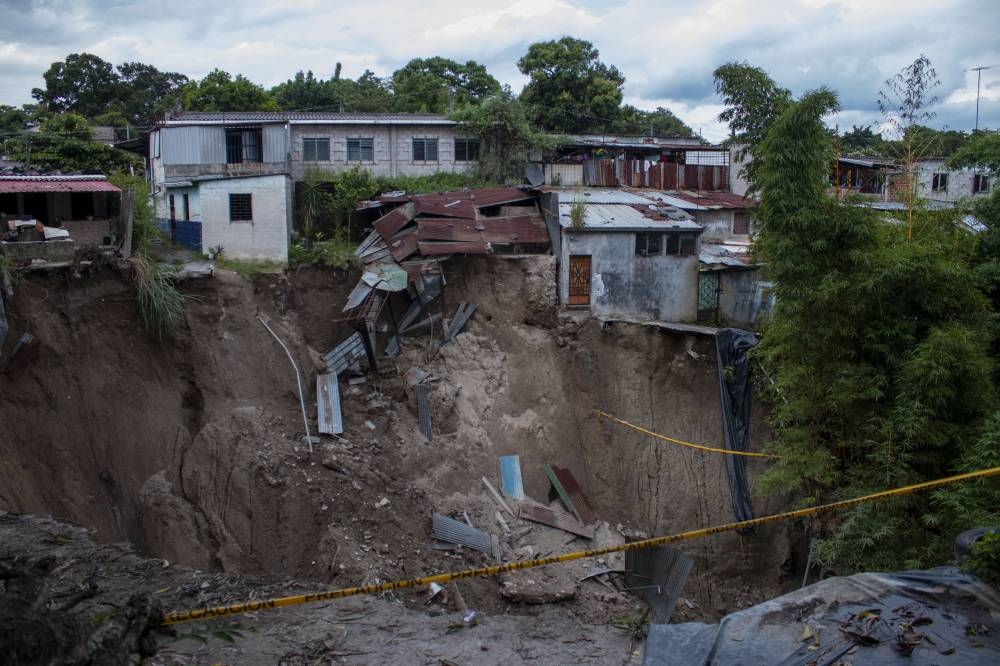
(979, 77)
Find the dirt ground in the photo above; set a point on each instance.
(194, 449)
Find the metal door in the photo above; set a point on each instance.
(579, 279)
(708, 296)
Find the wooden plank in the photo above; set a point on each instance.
(128, 206)
(328, 412)
(562, 521)
(496, 496)
(581, 505)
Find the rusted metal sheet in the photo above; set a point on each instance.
(417, 268)
(690, 178)
(328, 413)
(403, 245)
(580, 504)
(657, 575)
(529, 229)
(54, 184)
(394, 220)
(563, 521)
(478, 247)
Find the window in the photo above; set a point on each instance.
(741, 223)
(681, 244)
(939, 182)
(648, 244)
(173, 209)
(187, 206)
(980, 183)
(244, 145)
(466, 150)
(315, 150)
(361, 150)
(425, 150)
(240, 208)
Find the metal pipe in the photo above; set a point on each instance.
(298, 378)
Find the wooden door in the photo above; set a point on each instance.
(579, 279)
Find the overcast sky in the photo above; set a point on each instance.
(666, 49)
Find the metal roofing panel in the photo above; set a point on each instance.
(614, 217)
(403, 244)
(471, 247)
(54, 184)
(238, 117)
(600, 196)
(514, 229)
(734, 255)
(394, 220)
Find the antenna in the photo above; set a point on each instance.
(979, 76)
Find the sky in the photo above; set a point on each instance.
(667, 50)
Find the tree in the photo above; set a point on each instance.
(440, 85)
(305, 92)
(753, 101)
(145, 92)
(12, 119)
(877, 352)
(982, 151)
(505, 137)
(570, 89)
(862, 141)
(64, 142)
(219, 91)
(904, 104)
(83, 84)
(661, 122)
(371, 94)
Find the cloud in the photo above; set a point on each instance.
(667, 49)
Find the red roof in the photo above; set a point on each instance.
(715, 199)
(42, 184)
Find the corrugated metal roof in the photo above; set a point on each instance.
(213, 117)
(617, 217)
(689, 200)
(55, 184)
(599, 196)
(733, 255)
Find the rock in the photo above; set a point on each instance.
(382, 503)
(538, 587)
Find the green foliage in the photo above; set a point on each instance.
(982, 151)
(64, 142)
(569, 88)
(315, 202)
(984, 558)
(89, 86)
(306, 92)
(753, 101)
(248, 269)
(161, 306)
(878, 347)
(223, 631)
(661, 122)
(428, 85)
(862, 141)
(505, 137)
(144, 227)
(12, 119)
(577, 214)
(371, 94)
(334, 252)
(219, 91)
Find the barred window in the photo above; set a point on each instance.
(244, 145)
(315, 150)
(425, 150)
(681, 244)
(649, 244)
(466, 150)
(241, 208)
(361, 150)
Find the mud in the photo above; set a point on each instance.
(194, 449)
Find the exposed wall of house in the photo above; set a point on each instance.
(392, 148)
(197, 150)
(737, 183)
(738, 305)
(662, 288)
(959, 182)
(267, 236)
(718, 223)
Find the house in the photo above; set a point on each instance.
(936, 182)
(36, 209)
(227, 179)
(863, 175)
(731, 290)
(622, 254)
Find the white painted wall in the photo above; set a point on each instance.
(267, 236)
(959, 182)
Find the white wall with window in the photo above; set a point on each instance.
(936, 182)
(249, 217)
(315, 149)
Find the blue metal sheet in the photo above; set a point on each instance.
(510, 477)
(331, 421)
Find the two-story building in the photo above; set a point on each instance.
(227, 179)
(940, 184)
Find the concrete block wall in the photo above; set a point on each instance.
(658, 288)
(266, 237)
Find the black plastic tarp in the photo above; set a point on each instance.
(941, 616)
(731, 347)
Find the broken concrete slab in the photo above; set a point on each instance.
(538, 586)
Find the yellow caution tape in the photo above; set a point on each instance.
(678, 441)
(281, 602)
